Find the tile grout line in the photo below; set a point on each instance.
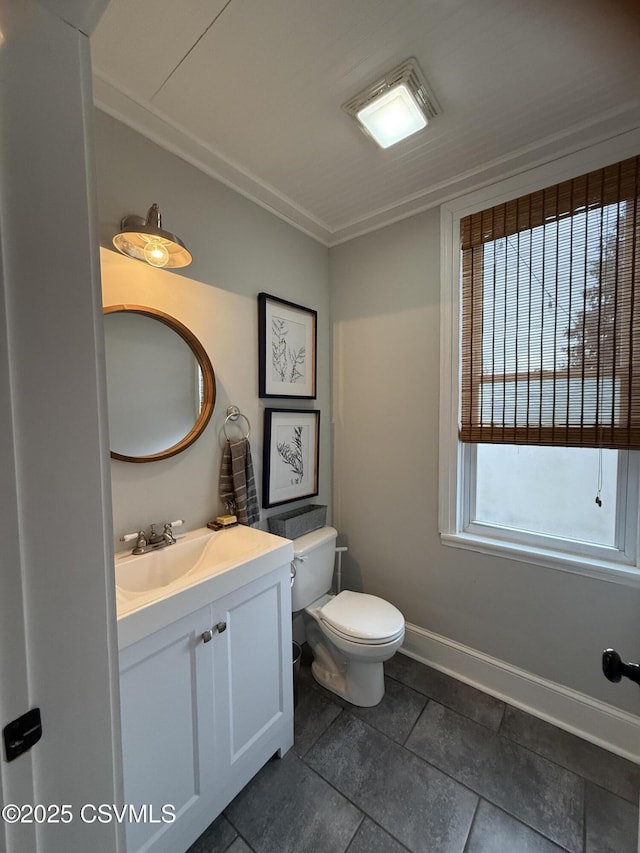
(513, 740)
(471, 825)
(584, 814)
(358, 828)
(429, 763)
(450, 707)
(415, 755)
(564, 766)
(482, 796)
(499, 734)
(505, 705)
(237, 831)
(365, 815)
(464, 785)
(424, 707)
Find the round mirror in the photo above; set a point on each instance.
(161, 388)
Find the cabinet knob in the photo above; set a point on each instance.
(220, 628)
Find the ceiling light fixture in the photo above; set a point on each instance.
(146, 240)
(394, 107)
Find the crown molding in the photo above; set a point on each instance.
(144, 118)
(613, 123)
(141, 116)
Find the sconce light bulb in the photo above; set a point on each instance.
(156, 253)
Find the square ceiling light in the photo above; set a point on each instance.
(394, 107)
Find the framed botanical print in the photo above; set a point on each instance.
(287, 338)
(290, 455)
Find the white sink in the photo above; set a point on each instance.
(142, 572)
(159, 586)
(197, 552)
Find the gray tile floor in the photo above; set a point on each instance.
(436, 766)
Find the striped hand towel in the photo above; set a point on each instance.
(237, 483)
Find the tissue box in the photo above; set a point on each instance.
(297, 522)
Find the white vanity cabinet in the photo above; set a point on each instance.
(202, 712)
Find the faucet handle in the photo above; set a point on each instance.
(141, 541)
(129, 537)
(167, 533)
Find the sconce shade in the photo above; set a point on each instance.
(146, 240)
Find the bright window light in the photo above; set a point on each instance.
(393, 116)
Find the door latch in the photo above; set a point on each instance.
(21, 734)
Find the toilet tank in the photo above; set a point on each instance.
(313, 557)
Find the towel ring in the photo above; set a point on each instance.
(233, 413)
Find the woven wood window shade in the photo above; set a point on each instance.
(551, 315)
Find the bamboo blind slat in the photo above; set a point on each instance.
(551, 315)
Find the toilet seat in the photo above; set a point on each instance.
(362, 618)
(336, 635)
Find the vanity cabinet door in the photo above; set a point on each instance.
(168, 726)
(205, 703)
(256, 697)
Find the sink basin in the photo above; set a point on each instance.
(158, 588)
(141, 572)
(197, 552)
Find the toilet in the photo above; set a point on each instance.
(351, 634)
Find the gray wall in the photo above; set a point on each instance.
(239, 250)
(385, 290)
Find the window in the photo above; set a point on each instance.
(544, 354)
(573, 501)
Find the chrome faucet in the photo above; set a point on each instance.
(153, 540)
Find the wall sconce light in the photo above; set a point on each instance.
(146, 240)
(395, 107)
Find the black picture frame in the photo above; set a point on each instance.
(291, 452)
(287, 344)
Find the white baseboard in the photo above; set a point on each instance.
(602, 724)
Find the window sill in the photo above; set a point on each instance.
(621, 573)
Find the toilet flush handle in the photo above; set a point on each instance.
(293, 567)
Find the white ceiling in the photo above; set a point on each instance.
(251, 92)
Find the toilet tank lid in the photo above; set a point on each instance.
(312, 540)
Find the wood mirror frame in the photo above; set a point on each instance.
(208, 380)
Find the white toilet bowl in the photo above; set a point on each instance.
(351, 635)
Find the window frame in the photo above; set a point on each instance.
(456, 458)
